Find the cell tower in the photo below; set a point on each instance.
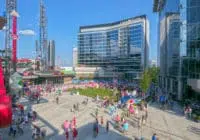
(43, 43)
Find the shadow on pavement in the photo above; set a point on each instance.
(165, 132)
(176, 110)
(194, 130)
(28, 128)
(86, 133)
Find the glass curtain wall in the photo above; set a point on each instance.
(120, 48)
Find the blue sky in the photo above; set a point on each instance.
(65, 17)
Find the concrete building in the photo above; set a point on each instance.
(120, 48)
(51, 54)
(153, 63)
(75, 57)
(178, 45)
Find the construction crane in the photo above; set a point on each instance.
(42, 51)
(11, 5)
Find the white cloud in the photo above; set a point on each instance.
(27, 32)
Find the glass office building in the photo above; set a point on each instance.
(179, 45)
(119, 48)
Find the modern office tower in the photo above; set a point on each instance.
(75, 57)
(119, 48)
(51, 54)
(179, 45)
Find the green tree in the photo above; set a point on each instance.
(145, 81)
(149, 76)
(154, 72)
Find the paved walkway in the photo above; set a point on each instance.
(168, 125)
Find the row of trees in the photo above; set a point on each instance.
(149, 76)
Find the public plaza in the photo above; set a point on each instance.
(133, 73)
(168, 125)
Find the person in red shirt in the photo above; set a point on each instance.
(74, 121)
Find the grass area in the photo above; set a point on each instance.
(93, 92)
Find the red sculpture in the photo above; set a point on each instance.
(5, 103)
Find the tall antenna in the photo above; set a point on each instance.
(43, 46)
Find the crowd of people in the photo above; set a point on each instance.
(21, 119)
(120, 122)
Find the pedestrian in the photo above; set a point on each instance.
(30, 114)
(43, 133)
(38, 99)
(22, 110)
(154, 137)
(97, 112)
(21, 126)
(34, 115)
(190, 112)
(34, 132)
(94, 130)
(97, 129)
(74, 121)
(26, 119)
(125, 127)
(102, 122)
(14, 130)
(77, 106)
(57, 100)
(10, 130)
(74, 106)
(67, 134)
(1, 136)
(107, 126)
(75, 133)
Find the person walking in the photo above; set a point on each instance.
(67, 134)
(97, 112)
(107, 126)
(10, 130)
(97, 129)
(14, 130)
(57, 100)
(74, 121)
(94, 130)
(77, 105)
(154, 137)
(75, 133)
(102, 121)
(21, 126)
(34, 115)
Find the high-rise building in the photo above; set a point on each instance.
(51, 54)
(119, 48)
(75, 57)
(179, 45)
